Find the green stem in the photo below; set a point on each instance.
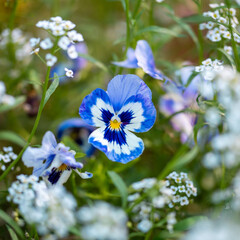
(200, 36)
(137, 6)
(234, 46)
(128, 24)
(151, 12)
(45, 87)
(223, 176)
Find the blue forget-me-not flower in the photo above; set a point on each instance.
(142, 57)
(126, 107)
(53, 161)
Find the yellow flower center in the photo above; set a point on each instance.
(63, 167)
(115, 124)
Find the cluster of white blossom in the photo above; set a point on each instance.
(22, 48)
(5, 98)
(225, 144)
(218, 29)
(6, 157)
(174, 192)
(209, 68)
(182, 189)
(64, 36)
(52, 209)
(102, 221)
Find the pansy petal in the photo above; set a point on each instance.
(121, 87)
(69, 160)
(96, 108)
(138, 114)
(84, 175)
(49, 142)
(123, 147)
(130, 62)
(145, 59)
(34, 157)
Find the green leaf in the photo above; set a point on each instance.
(182, 158)
(18, 101)
(186, 28)
(120, 185)
(229, 58)
(5, 217)
(187, 223)
(34, 78)
(196, 19)
(161, 30)
(80, 155)
(12, 233)
(94, 61)
(75, 231)
(52, 88)
(12, 137)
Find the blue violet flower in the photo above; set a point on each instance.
(53, 161)
(142, 57)
(126, 107)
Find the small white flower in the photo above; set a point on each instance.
(57, 30)
(64, 42)
(228, 50)
(202, 26)
(43, 24)
(75, 36)
(178, 180)
(227, 35)
(69, 72)
(68, 25)
(174, 189)
(7, 149)
(183, 175)
(184, 201)
(35, 51)
(133, 197)
(46, 44)
(72, 53)
(199, 68)
(207, 62)
(57, 20)
(176, 198)
(51, 60)
(181, 188)
(222, 20)
(34, 41)
(144, 226)
(188, 192)
(215, 15)
(209, 25)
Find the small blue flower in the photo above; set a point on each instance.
(126, 107)
(74, 64)
(142, 57)
(53, 161)
(79, 131)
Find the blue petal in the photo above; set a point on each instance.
(77, 129)
(49, 142)
(138, 113)
(145, 59)
(122, 87)
(130, 62)
(68, 159)
(96, 108)
(123, 147)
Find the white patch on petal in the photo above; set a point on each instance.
(137, 111)
(64, 177)
(97, 113)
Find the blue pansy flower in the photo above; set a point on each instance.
(142, 57)
(74, 64)
(180, 98)
(53, 161)
(126, 107)
(79, 131)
